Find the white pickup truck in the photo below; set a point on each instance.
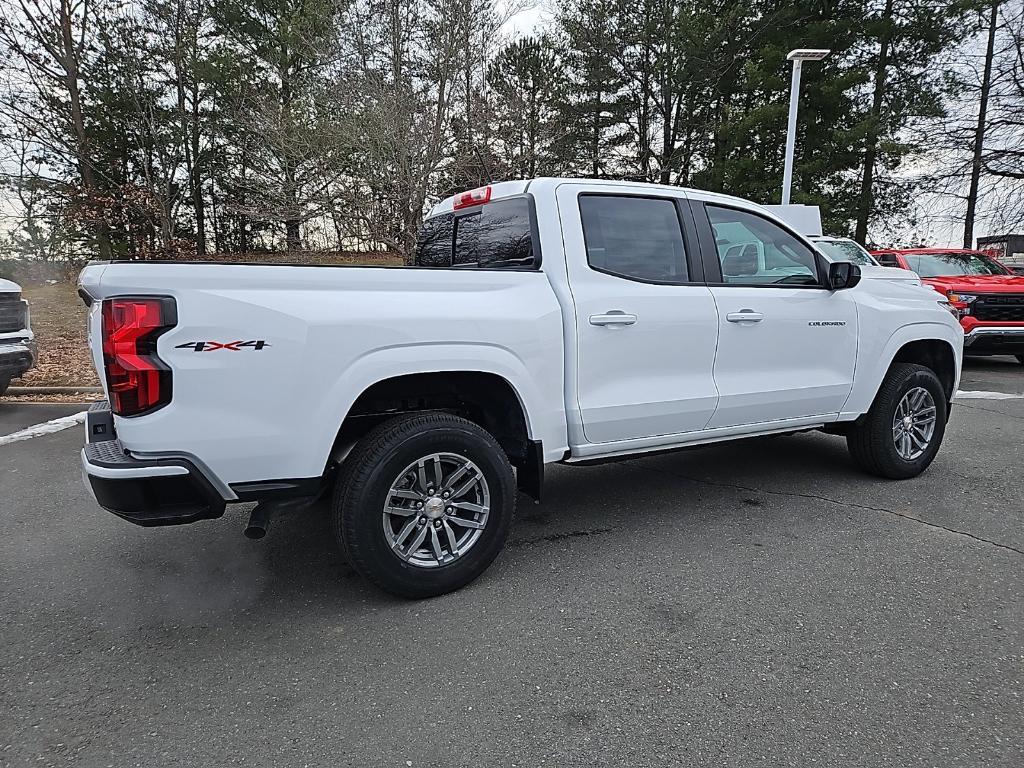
(550, 320)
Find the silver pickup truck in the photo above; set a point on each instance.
(17, 342)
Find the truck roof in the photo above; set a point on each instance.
(500, 189)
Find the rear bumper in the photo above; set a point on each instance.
(149, 492)
(16, 357)
(995, 340)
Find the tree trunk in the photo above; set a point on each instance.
(867, 198)
(70, 65)
(200, 208)
(243, 224)
(667, 139)
(979, 132)
(292, 238)
(596, 137)
(196, 177)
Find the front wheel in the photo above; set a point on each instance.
(424, 504)
(904, 428)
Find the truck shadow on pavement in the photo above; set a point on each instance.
(302, 558)
(209, 574)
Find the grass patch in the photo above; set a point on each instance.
(59, 322)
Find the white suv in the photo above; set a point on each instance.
(17, 342)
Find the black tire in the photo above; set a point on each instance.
(363, 488)
(1020, 359)
(4, 384)
(871, 443)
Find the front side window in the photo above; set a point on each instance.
(949, 264)
(637, 238)
(755, 251)
(497, 235)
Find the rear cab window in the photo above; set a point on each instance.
(495, 235)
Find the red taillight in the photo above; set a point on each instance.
(138, 381)
(473, 197)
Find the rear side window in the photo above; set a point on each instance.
(638, 238)
(497, 235)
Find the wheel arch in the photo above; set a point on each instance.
(932, 345)
(491, 396)
(936, 354)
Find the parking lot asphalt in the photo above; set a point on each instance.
(754, 603)
(15, 416)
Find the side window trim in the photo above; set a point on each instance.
(709, 251)
(706, 239)
(694, 277)
(691, 242)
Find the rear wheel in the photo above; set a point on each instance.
(904, 428)
(424, 504)
(4, 384)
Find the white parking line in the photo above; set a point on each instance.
(967, 394)
(46, 428)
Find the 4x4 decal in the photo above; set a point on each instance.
(234, 346)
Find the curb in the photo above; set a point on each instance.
(53, 390)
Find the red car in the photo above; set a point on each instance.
(988, 297)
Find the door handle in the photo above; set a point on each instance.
(745, 316)
(614, 317)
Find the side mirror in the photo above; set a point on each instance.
(842, 274)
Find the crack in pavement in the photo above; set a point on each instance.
(558, 537)
(837, 502)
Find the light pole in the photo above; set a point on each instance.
(798, 56)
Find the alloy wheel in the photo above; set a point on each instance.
(913, 424)
(436, 510)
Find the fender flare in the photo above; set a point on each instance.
(408, 359)
(869, 380)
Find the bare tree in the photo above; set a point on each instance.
(1003, 156)
(49, 39)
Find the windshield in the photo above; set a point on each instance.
(845, 250)
(946, 264)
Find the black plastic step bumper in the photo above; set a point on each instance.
(16, 357)
(150, 492)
